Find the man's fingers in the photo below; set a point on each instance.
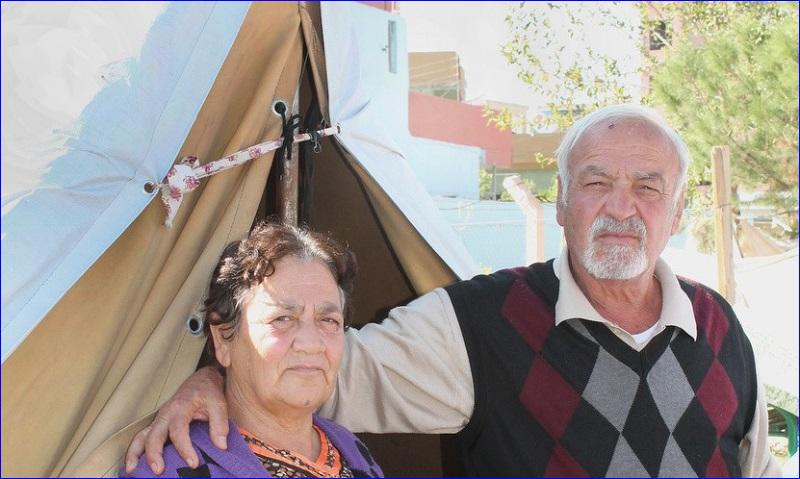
(218, 423)
(135, 449)
(154, 444)
(200, 397)
(179, 435)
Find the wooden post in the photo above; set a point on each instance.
(534, 217)
(723, 220)
(288, 182)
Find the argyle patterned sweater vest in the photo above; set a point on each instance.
(575, 400)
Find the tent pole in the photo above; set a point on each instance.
(288, 183)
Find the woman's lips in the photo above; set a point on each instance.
(306, 369)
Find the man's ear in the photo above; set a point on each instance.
(222, 347)
(676, 221)
(560, 202)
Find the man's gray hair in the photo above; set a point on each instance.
(625, 111)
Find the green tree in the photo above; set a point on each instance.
(727, 74)
(738, 87)
(559, 64)
(485, 184)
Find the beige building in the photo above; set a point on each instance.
(436, 73)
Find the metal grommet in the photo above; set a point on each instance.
(150, 187)
(194, 324)
(279, 107)
(338, 128)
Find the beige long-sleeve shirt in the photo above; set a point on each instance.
(411, 373)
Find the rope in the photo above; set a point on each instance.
(185, 175)
(288, 128)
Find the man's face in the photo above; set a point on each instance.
(621, 207)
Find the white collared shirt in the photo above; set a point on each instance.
(676, 309)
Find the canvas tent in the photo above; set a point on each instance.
(96, 292)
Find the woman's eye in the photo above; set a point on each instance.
(331, 324)
(281, 321)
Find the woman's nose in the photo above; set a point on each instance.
(308, 338)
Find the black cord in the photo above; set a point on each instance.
(289, 126)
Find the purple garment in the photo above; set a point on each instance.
(239, 461)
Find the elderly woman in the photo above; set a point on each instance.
(277, 308)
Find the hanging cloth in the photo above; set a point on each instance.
(185, 175)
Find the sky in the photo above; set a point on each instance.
(476, 30)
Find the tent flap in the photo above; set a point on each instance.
(115, 345)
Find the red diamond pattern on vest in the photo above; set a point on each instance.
(715, 323)
(716, 466)
(718, 397)
(559, 365)
(562, 464)
(517, 307)
(553, 406)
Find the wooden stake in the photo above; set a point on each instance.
(723, 220)
(534, 218)
(288, 183)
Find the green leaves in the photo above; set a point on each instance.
(738, 86)
(726, 73)
(550, 51)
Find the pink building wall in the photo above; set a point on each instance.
(454, 122)
(388, 6)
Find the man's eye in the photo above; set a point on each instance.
(649, 190)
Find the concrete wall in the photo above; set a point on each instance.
(494, 231)
(445, 169)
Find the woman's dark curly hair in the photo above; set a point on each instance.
(246, 263)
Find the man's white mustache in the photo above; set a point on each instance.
(632, 226)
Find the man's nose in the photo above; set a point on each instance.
(620, 203)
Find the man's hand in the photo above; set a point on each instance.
(200, 397)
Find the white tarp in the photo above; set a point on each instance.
(97, 99)
(367, 65)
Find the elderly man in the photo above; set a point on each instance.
(601, 362)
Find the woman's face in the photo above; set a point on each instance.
(288, 345)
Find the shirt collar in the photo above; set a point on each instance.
(676, 307)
